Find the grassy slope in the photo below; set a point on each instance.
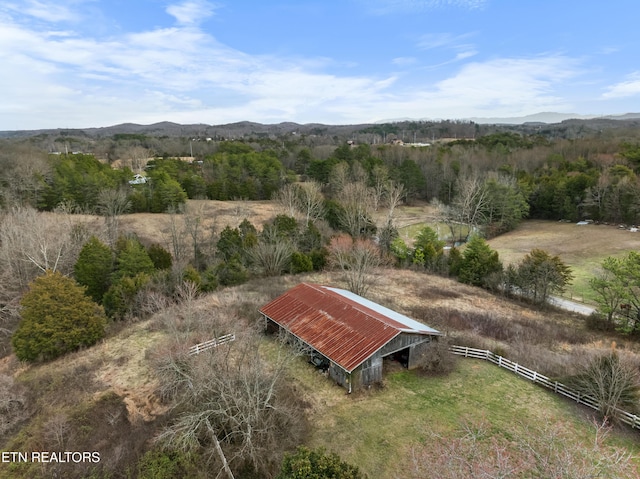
(377, 429)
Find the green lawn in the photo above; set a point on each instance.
(375, 429)
(409, 232)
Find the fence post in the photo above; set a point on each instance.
(500, 361)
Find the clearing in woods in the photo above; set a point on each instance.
(583, 247)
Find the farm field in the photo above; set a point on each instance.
(583, 247)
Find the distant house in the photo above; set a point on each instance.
(347, 332)
(138, 180)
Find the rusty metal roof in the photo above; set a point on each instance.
(344, 327)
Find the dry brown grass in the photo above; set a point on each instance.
(153, 227)
(581, 247)
(573, 243)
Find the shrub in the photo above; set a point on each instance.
(317, 464)
(57, 317)
(167, 464)
(160, 257)
(231, 273)
(612, 381)
(119, 300)
(437, 359)
(300, 263)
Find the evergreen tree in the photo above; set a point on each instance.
(57, 317)
(93, 268)
(479, 262)
(541, 274)
(427, 248)
(132, 258)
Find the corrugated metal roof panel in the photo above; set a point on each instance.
(344, 327)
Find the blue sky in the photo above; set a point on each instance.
(91, 63)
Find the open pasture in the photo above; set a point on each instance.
(583, 247)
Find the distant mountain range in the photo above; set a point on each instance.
(240, 129)
(551, 117)
(548, 117)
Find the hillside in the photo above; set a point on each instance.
(106, 398)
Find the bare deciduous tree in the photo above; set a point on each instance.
(177, 235)
(358, 259)
(112, 203)
(466, 212)
(311, 201)
(230, 398)
(287, 198)
(356, 201)
(613, 381)
(394, 193)
(380, 176)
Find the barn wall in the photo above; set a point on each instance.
(339, 375)
(402, 341)
(370, 371)
(417, 352)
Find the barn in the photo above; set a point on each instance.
(348, 333)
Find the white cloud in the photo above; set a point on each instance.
(383, 7)
(183, 74)
(404, 61)
(443, 40)
(627, 88)
(49, 11)
(500, 87)
(191, 12)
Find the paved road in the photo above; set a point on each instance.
(571, 305)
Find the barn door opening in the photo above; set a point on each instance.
(402, 357)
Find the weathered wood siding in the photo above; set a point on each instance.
(417, 352)
(339, 375)
(370, 371)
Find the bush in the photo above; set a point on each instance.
(119, 300)
(167, 464)
(317, 464)
(231, 273)
(437, 359)
(160, 257)
(57, 317)
(300, 263)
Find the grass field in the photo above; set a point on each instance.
(581, 247)
(377, 429)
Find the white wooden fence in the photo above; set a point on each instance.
(557, 387)
(212, 343)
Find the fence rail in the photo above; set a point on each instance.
(212, 343)
(557, 387)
